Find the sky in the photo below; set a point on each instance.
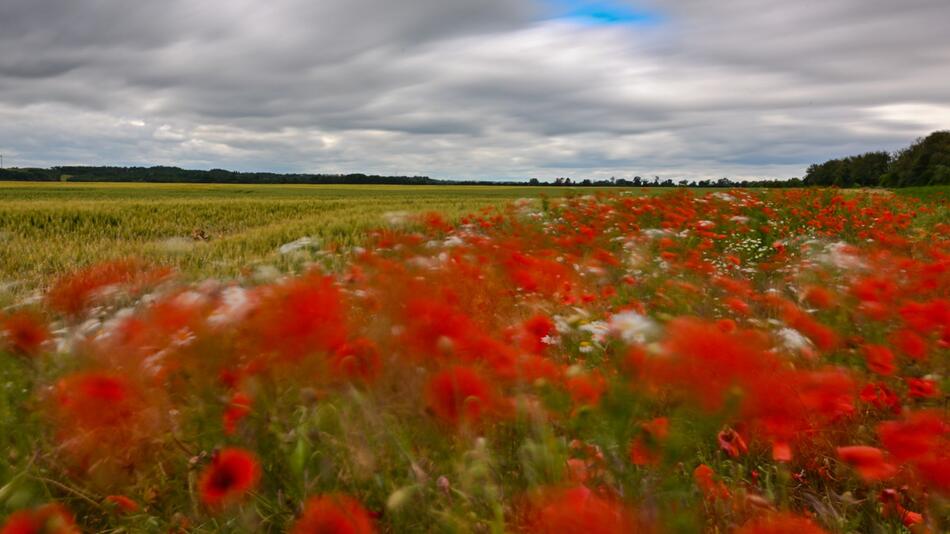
(471, 89)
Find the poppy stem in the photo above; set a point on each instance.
(68, 489)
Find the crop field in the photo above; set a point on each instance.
(473, 360)
(47, 229)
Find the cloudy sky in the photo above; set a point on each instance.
(470, 88)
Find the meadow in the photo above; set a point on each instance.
(475, 361)
(47, 229)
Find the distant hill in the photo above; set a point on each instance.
(926, 162)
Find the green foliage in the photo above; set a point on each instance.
(924, 163)
(864, 170)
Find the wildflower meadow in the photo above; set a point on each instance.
(770, 361)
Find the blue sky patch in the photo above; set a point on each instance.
(602, 11)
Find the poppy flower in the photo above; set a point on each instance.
(232, 473)
(25, 332)
(922, 388)
(869, 462)
(732, 443)
(123, 503)
(586, 389)
(357, 360)
(460, 395)
(711, 488)
(107, 423)
(910, 343)
(819, 297)
(534, 330)
(880, 359)
(892, 506)
(919, 435)
(238, 408)
(336, 514)
(881, 397)
(646, 448)
(577, 509)
(300, 317)
(780, 523)
(73, 293)
(47, 519)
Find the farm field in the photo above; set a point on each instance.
(47, 229)
(752, 361)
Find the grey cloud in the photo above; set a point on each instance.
(461, 89)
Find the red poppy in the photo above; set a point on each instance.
(922, 388)
(892, 506)
(232, 473)
(357, 360)
(646, 448)
(868, 461)
(586, 389)
(732, 443)
(334, 514)
(910, 343)
(880, 359)
(107, 422)
(299, 318)
(577, 509)
(535, 329)
(74, 292)
(47, 519)
(819, 297)
(711, 488)
(881, 397)
(25, 332)
(123, 503)
(780, 523)
(238, 408)
(919, 435)
(460, 395)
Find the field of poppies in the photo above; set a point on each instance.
(717, 361)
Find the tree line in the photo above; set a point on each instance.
(925, 162)
(165, 174)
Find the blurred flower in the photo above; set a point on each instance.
(334, 514)
(232, 473)
(47, 519)
(460, 395)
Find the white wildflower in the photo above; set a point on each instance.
(597, 329)
(303, 242)
(235, 304)
(840, 255)
(793, 339)
(631, 327)
(396, 218)
(453, 241)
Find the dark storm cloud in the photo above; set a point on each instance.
(456, 88)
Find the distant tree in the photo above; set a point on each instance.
(926, 162)
(864, 170)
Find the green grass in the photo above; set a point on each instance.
(929, 193)
(47, 229)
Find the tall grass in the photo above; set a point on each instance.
(49, 229)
